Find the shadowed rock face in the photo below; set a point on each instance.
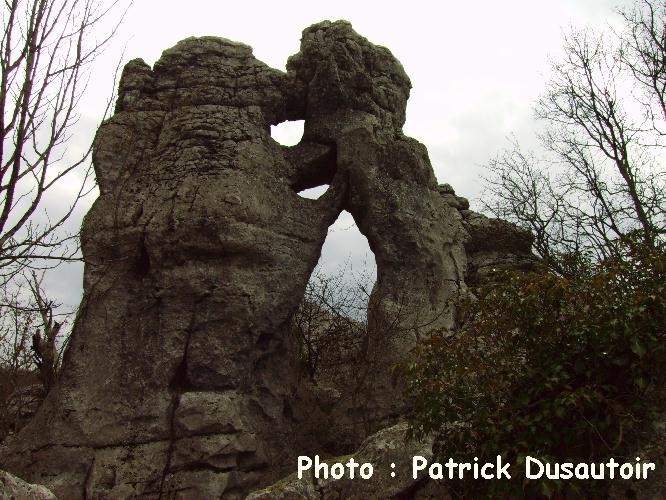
(180, 376)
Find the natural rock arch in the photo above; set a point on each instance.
(179, 376)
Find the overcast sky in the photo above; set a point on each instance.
(476, 69)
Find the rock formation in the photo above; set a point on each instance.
(12, 487)
(180, 377)
(382, 449)
(491, 244)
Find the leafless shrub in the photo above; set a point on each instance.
(30, 352)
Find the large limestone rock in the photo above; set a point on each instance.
(180, 375)
(179, 379)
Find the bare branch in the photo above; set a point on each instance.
(601, 174)
(45, 51)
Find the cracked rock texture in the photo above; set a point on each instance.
(179, 379)
(12, 487)
(491, 244)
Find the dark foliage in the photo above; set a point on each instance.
(564, 370)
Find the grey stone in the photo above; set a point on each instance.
(382, 449)
(180, 378)
(14, 488)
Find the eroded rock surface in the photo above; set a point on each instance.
(491, 244)
(180, 377)
(382, 449)
(14, 488)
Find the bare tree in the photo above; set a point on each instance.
(45, 349)
(642, 52)
(330, 324)
(46, 49)
(31, 348)
(601, 175)
(17, 376)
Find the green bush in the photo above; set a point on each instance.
(565, 370)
